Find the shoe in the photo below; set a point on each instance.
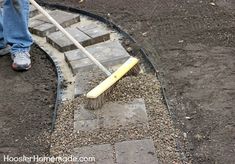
(21, 61)
(5, 51)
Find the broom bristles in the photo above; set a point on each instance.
(98, 102)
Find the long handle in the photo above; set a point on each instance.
(75, 42)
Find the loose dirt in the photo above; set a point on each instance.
(191, 43)
(26, 105)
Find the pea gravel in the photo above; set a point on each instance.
(160, 129)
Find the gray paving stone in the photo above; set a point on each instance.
(41, 26)
(103, 153)
(108, 53)
(111, 115)
(34, 23)
(87, 35)
(97, 34)
(116, 114)
(85, 27)
(60, 42)
(33, 11)
(43, 29)
(61, 16)
(136, 152)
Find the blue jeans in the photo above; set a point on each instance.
(14, 25)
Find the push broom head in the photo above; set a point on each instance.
(97, 96)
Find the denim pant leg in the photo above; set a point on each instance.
(15, 25)
(2, 42)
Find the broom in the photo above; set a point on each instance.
(97, 96)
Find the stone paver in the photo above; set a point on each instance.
(103, 154)
(126, 152)
(111, 115)
(98, 34)
(86, 35)
(60, 42)
(41, 26)
(33, 11)
(108, 53)
(136, 152)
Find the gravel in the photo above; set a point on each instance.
(161, 128)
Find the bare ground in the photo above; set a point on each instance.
(26, 105)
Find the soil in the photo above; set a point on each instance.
(191, 42)
(26, 105)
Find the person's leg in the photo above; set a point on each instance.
(16, 33)
(3, 48)
(15, 29)
(2, 44)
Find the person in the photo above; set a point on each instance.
(15, 38)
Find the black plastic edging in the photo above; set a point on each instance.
(58, 88)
